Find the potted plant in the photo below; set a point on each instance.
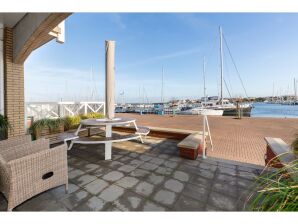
(47, 126)
(4, 126)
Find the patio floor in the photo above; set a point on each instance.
(146, 177)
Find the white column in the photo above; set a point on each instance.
(108, 145)
(110, 79)
(1, 70)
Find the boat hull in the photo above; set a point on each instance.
(234, 112)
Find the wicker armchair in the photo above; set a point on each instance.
(31, 168)
(14, 141)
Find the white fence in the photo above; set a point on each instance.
(39, 110)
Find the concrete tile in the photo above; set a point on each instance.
(164, 171)
(226, 179)
(157, 161)
(139, 173)
(144, 188)
(133, 155)
(145, 158)
(170, 164)
(59, 192)
(163, 156)
(206, 174)
(115, 164)
(245, 183)
(126, 168)
(201, 181)
(93, 204)
(75, 199)
(100, 171)
(222, 202)
(129, 202)
(165, 197)
(111, 193)
(207, 166)
(174, 185)
(185, 203)
(225, 189)
(75, 173)
(89, 167)
(196, 192)
(247, 175)
(113, 176)
(148, 166)
(155, 179)
(151, 206)
(191, 162)
(182, 176)
(125, 159)
(96, 186)
(136, 162)
(228, 171)
(83, 180)
(127, 182)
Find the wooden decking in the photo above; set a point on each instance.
(233, 139)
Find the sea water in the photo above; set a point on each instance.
(274, 110)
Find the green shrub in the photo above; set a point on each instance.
(4, 126)
(71, 122)
(277, 190)
(52, 124)
(91, 115)
(295, 145)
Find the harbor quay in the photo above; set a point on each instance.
(240, 140)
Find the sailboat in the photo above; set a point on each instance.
(229, 109)
(202, 109)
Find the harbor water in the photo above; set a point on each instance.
(274, 110)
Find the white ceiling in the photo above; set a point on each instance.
(10, 19)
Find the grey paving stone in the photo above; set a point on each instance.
(96, 186)
(100, 171)
(139, 173)
(189, 169)
(165, 197)
(148, 166)
(75, 173)
(145, 158)
(115, 164)
(129, 202)
(226, 179)
(245, 183)
(222, 202)
(59, 192)
(157, 161)
(164, 171)
(151, 206)
(127, 182)
(182, 176)
(125, 159)
(228, 171)
(133, 155)
(201, 181)
(89, 167)
(174, 185)
(225, 189)
(163, 156)
(83, 180)
(115, 157)
(123, 152)
(247, 175)
(113, 176)
(111, 193)
(93, 204)
(170, 164)
(136, 162)
(191, 162)
(206, 173)
(185, 203)
(155, 179)
(144, 188)
(196, 192)
(227, 165)
(208, 166)
(126, 168)
(75, 199)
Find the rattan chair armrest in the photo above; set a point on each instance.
(14, 141)
(29, 169)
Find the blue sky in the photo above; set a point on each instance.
(264, 47)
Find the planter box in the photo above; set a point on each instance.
(46, 132)
(191, 153)
(269, 158)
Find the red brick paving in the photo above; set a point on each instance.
(233, 139)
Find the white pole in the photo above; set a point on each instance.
(204, 71)
(204, 134)
(110, 79)
(221, 66)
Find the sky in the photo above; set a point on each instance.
(263, 46)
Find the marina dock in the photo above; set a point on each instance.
(233, 139)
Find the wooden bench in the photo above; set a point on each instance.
(279, 154)
(191, 146)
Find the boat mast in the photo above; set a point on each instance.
(162, 85)
(204, 71)
(221, 66)
(295, 89)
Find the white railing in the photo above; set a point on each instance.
(39, 110)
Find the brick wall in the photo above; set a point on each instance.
(14, 87)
